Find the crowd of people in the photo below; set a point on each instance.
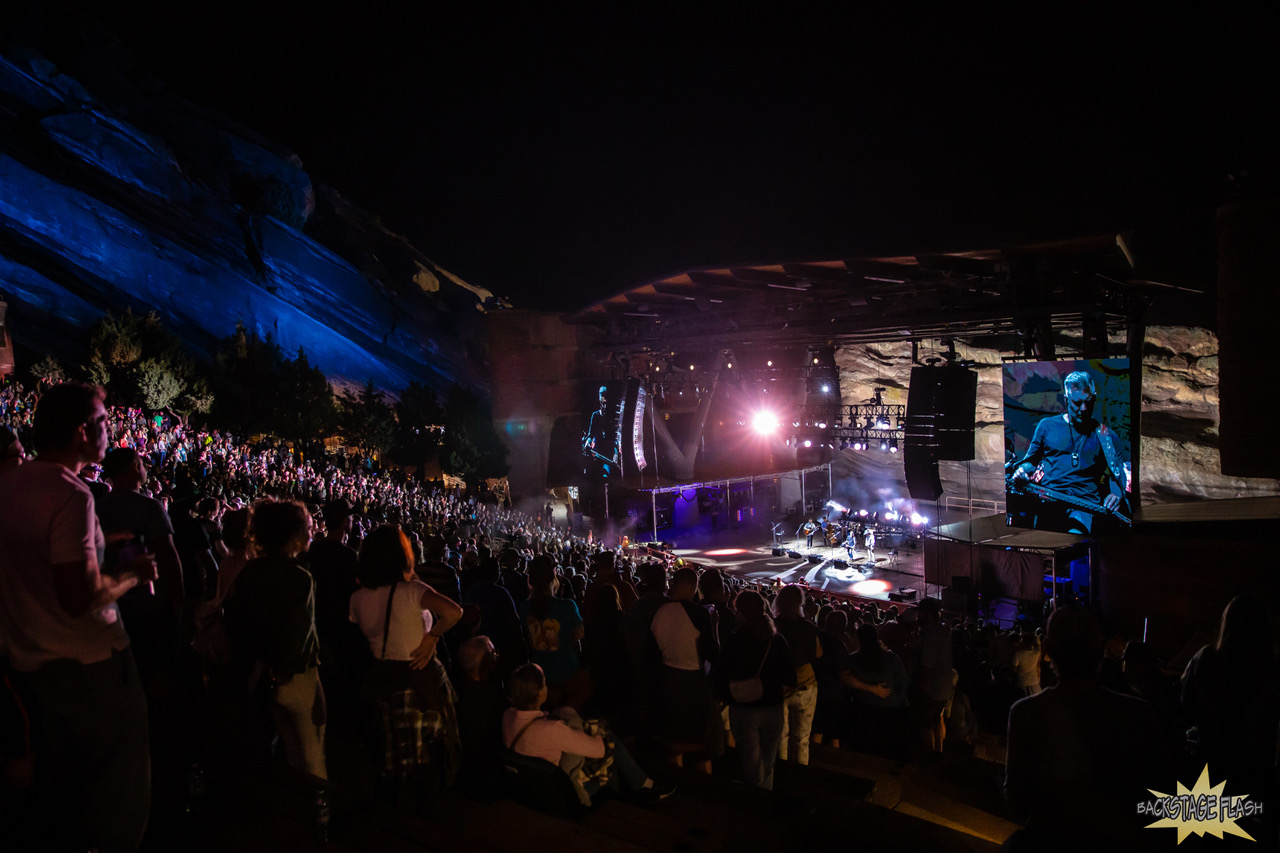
(150, 571)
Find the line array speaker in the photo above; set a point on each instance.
(941, 409)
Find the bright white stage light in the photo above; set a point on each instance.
(764, 423)
(918, 519)
(808, 443)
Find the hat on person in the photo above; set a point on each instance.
(434, 546)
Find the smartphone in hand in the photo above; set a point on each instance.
(123, 552)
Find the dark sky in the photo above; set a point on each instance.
(556, 158)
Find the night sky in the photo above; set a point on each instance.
(556, 158)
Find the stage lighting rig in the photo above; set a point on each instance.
(858, 426)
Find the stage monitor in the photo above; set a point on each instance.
(1068, 459)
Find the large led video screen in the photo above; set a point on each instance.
(587, 447)
(1068, 460)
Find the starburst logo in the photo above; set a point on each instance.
(1200, 810)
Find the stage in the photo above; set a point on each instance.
(748, 555)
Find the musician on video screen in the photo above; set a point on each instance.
(602, 442)
(1074, 456)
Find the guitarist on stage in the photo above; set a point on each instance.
(1074, 455)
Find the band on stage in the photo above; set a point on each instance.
(852, 533)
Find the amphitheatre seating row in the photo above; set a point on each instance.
(842, 798)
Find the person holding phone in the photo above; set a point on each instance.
(135, 524)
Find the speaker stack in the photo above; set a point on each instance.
(941, 407)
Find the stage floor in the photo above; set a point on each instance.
(749, 555)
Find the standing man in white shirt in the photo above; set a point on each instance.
(62, 628)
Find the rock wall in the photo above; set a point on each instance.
(111, 197)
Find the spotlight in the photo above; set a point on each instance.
(764, 423)
(826, 389)
(729, 365)
(808, 443)
(768, 364)
(822, 424)
(884, 445)
(893, 446)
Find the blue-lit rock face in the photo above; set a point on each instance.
(98, 213)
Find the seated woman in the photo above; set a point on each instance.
(559, 738)
(402, 619)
